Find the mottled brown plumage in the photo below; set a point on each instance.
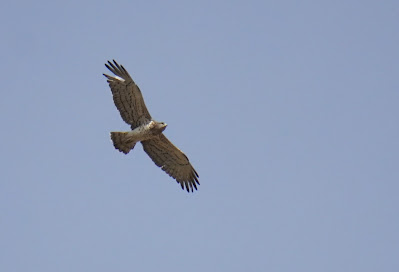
(130, 103)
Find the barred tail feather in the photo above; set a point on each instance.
(122, 142)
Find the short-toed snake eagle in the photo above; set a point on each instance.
(130, 103)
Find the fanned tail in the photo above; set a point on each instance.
(122, 142)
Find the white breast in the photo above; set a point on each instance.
(141, 133)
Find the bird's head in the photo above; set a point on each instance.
(160, 126)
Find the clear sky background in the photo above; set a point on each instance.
(288, 110)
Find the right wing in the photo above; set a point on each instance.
(172, 160)
(127, 96)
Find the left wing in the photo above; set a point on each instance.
(127, 96)
(172, 160)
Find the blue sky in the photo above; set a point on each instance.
(288, 110)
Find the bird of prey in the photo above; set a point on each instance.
(130, 103)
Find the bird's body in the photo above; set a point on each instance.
(130, 103)
(125, 141)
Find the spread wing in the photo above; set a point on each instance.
(127, 96)
(172, 160)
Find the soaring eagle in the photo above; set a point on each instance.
(130, 103)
